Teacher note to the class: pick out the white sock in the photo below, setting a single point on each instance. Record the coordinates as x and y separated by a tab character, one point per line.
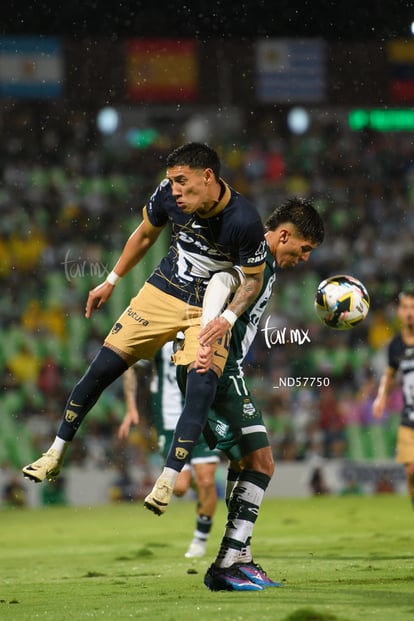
59	445
170	475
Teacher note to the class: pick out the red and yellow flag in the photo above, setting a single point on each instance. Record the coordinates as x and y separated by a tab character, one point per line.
162	70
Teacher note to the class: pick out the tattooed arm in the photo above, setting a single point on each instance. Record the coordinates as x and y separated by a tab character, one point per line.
243	297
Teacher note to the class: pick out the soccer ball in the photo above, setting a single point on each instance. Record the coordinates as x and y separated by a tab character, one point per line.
341	302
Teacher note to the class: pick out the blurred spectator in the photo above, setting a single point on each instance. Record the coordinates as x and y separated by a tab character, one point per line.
384	485
24	367
352	488
317	482
14	493
50	378
124	488
331	423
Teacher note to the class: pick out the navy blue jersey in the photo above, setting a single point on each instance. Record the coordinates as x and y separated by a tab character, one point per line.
231	234
401	359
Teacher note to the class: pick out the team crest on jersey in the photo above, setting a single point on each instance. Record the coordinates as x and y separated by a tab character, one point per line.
248	408
181	453
117	327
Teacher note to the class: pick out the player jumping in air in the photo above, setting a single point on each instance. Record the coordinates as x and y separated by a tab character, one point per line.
212	228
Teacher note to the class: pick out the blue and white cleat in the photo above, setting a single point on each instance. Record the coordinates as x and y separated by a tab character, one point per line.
229	579
255	573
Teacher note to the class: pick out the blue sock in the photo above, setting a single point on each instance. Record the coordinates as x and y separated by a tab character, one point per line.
105	368
199	395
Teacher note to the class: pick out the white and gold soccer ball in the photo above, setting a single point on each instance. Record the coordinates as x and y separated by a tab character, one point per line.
341	302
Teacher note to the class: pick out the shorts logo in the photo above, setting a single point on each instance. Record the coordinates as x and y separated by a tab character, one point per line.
221	428
117	327
131	313
70	416
181	453
217	355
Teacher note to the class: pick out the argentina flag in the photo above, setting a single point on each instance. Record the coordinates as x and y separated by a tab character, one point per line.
31	67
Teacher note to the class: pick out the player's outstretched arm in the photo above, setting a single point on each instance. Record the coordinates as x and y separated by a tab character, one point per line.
134	250
384	389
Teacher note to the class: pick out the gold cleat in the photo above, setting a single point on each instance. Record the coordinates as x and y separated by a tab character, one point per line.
46	467
158	499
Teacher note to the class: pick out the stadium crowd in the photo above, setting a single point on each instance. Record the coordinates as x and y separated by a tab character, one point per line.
70	196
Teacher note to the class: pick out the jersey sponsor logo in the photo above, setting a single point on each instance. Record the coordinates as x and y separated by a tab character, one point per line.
256	259
407	365
205	248
134	315
193	265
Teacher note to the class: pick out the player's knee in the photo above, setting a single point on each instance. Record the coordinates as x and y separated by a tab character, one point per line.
205	477
260	461
179	490
182	483
207	484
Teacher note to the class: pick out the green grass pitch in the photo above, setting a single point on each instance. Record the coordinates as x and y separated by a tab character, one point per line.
339	558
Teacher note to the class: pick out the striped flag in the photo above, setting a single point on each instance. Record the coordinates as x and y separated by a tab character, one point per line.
31	67
162	70
401	59
291	70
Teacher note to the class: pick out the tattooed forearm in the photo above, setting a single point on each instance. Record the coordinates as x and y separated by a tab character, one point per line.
246	293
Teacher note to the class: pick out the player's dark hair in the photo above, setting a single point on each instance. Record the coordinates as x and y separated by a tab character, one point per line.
408	291
302	214
195	155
